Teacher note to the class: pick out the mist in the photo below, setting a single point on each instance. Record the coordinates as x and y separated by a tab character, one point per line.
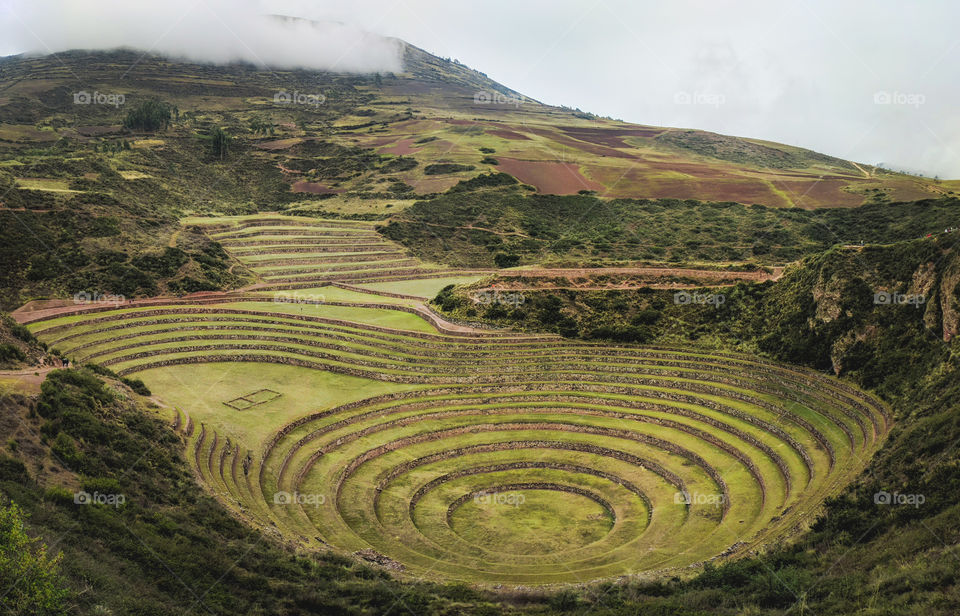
217	31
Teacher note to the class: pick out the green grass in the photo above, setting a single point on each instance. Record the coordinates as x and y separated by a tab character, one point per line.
427	288
605	436
47	184
202	389
531	521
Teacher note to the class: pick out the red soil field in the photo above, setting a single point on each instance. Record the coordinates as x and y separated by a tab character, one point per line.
556	178
641	183
376	142
593	148
814	193
504	133
404	146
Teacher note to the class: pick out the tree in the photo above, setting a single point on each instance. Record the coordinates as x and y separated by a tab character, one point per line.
151	115
219	142
32	577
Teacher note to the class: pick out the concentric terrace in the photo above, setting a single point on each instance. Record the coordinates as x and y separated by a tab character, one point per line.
368	425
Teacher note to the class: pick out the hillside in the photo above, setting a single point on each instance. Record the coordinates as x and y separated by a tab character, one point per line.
395	129
414	343
167	527
89	205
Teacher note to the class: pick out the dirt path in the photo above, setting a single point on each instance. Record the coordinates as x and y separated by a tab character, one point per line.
42	309
754	276
613	287
286	170
862	170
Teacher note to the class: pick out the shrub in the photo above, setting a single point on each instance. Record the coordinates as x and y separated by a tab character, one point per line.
10	353
12	469
137	386
486	180
30	575
445	168
504	260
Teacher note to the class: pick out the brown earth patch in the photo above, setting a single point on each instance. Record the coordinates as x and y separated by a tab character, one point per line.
641	182
504	133
611	137
820	193
583	146
552	177
404	146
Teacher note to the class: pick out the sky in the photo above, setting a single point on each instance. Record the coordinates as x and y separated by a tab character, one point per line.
874	82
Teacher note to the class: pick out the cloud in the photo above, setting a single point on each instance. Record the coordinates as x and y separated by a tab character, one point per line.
217	31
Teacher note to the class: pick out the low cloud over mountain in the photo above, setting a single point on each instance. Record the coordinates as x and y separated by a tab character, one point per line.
213	31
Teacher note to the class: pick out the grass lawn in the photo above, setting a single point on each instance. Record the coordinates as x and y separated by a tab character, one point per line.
427	288
202	389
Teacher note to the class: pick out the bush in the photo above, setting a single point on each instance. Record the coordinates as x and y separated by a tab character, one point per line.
10	353
12	469
504	260
137	386
31	577
445	168
20	332
486	180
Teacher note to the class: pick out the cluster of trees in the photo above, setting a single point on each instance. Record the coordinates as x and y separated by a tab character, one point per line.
150	116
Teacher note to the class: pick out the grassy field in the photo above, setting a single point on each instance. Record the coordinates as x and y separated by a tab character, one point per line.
483	456
203	390
426	288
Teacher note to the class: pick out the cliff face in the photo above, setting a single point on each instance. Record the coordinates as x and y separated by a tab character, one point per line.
861	310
